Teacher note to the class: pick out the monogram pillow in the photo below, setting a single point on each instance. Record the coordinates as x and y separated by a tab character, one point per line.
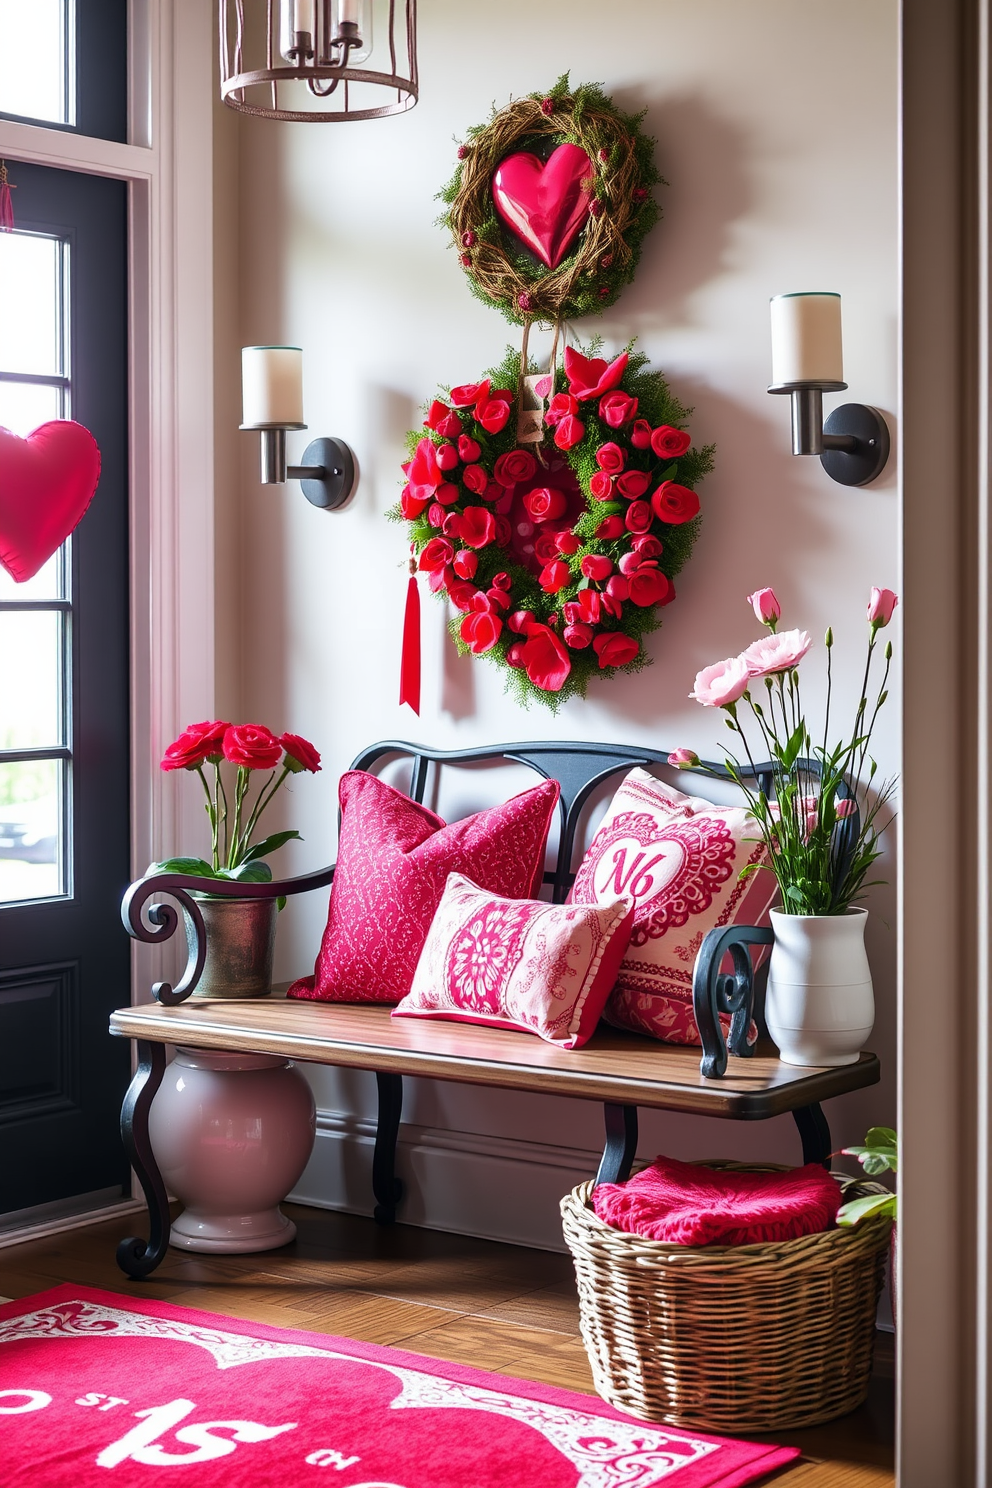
394	858
542	968
680	858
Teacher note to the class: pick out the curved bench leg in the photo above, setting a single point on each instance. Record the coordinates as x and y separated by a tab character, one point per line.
815	1134
621	1143
135	1257
386	1186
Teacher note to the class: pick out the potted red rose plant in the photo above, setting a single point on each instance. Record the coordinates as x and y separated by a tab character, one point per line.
248	764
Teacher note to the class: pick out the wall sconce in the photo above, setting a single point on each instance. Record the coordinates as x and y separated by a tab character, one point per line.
807	361
272	402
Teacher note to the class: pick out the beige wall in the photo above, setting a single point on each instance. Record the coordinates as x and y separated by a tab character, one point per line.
776	127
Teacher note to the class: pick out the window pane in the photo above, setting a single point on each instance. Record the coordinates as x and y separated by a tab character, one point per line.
30	850
30	327
30	679
48	582
33	73
25	405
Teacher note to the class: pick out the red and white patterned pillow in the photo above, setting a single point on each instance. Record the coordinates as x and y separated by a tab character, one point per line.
394	858
542	968
680	857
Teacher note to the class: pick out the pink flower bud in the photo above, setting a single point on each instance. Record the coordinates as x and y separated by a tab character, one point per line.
683	759
847	807
880	607
766	607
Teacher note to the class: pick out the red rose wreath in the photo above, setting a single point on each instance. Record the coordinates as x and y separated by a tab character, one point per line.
557	556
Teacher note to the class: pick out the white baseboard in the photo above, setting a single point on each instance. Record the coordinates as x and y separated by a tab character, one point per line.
497	1188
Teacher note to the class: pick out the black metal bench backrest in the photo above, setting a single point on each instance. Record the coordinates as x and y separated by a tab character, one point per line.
579	769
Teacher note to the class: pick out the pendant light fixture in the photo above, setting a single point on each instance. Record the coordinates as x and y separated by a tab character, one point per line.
280	59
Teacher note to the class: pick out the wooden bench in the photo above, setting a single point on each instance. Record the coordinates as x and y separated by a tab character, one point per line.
622	1070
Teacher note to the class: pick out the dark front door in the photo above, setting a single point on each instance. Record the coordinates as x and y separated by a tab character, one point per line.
64	839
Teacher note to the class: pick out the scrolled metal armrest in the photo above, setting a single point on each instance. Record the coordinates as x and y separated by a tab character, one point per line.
714	993
157	923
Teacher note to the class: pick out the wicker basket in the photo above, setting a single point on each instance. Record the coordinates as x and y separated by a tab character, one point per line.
734	1338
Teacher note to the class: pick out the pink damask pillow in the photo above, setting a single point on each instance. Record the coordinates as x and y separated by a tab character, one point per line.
543	968
394	858
680	858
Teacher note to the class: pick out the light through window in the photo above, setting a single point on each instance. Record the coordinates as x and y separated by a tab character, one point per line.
35	617
36	71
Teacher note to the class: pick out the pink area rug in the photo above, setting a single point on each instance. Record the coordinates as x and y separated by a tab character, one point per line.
99	1389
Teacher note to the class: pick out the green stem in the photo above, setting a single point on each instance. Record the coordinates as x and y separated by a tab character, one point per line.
261	803
240	791
211	816
219	786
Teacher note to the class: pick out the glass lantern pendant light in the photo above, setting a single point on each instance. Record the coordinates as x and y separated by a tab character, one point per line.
280	59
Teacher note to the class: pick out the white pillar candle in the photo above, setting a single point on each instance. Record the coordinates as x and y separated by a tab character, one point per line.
272	386
349	10
806	339
294	16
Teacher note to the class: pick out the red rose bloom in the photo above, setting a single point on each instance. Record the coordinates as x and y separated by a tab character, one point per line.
435	554
447	494
649	586
640	434
638	516
611	458
477	527
197	743
469	392
436	415
300	754
590	604
669	443
545	659
567	543
452	524
617	408
554	576
502	581
506	394
410	505
591	377
475	478
596	566
436	514
461	593
561	405
446	456
647	547
465	563
520	620
492	414
498	598
252	745
441	578
633	483
544	505
601	485
545	548
615	649
515	654
480	631
503	532
618	589
569	431
578	636
451	426
422	472
675	504
468	449
610	528
515	465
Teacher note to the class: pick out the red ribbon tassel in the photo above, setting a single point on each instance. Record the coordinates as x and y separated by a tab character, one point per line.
6	201
410	661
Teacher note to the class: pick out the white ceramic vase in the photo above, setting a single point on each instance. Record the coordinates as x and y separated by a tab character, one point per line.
231	1134
819	1005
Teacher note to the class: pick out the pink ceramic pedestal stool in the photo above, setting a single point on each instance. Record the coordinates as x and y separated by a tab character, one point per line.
231	1134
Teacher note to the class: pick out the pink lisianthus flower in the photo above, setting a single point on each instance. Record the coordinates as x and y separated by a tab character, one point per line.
776	653
847	807
721	684
880	607
764	603
683	759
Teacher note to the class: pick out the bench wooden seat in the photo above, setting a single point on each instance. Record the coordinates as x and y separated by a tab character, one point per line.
622	1070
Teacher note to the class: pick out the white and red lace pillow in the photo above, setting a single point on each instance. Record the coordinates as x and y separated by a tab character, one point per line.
394	858
680	857
542	968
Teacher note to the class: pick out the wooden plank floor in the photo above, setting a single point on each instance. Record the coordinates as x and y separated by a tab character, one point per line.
469	1301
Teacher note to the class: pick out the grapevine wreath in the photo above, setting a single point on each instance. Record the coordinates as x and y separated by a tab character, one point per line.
556	556
577	146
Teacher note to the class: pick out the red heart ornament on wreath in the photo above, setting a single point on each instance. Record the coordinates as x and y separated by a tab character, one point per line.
47	481
545	203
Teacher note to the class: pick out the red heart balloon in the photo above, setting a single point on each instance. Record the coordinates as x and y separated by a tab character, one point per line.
545	203
46	483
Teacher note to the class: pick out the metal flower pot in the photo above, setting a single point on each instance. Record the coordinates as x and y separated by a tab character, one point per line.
241	938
